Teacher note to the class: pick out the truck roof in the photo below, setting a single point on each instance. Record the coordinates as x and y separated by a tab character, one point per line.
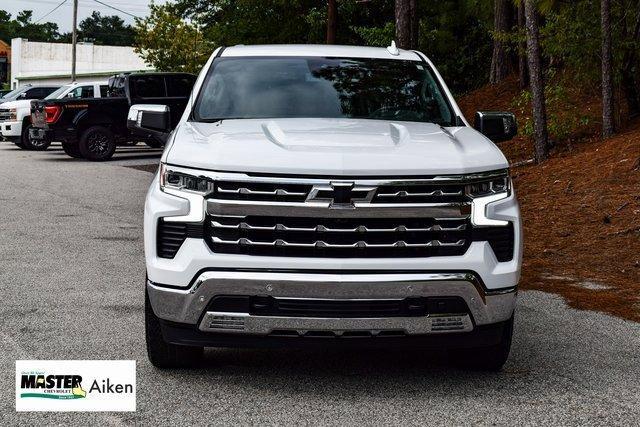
318	50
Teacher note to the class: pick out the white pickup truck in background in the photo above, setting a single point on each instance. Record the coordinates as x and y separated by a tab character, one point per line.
15	116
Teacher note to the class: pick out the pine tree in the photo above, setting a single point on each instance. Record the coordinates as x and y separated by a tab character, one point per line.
332	21
607	70
500	61
534	55
406	24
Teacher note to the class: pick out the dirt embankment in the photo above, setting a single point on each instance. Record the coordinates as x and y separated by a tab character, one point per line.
581	212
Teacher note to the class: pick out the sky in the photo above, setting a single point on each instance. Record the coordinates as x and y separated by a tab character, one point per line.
63	16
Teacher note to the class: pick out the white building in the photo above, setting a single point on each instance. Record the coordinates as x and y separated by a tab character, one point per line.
39	63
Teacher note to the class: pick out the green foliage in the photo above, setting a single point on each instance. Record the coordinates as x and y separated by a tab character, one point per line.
168	43
23	27
564	119
454	32
105	30
456	38
374	36
99	29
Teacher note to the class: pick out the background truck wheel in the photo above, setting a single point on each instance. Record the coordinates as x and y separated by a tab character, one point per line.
36	144
97	144
490	358
72	150
162	354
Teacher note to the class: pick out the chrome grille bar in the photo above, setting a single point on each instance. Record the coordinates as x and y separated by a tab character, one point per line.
453	210
248	191
321	244
322	228
404	193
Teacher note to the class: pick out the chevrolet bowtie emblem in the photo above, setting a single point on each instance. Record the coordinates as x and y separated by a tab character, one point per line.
341	195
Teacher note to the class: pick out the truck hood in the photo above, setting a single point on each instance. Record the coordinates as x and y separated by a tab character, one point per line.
334	147
23	103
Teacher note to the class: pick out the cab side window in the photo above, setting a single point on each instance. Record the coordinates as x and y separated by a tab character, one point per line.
180	86
33	93
81	92
104	91
147	87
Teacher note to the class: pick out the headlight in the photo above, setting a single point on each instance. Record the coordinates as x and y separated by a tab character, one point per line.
13	114
183	182
484	193
490	187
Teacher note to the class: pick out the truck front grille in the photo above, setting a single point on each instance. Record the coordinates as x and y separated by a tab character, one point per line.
340	218
5	114
338	237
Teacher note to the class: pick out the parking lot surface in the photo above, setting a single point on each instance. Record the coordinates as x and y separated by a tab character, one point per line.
71	287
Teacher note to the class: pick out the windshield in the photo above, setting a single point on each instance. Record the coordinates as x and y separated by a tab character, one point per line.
14	92
55	94
256	88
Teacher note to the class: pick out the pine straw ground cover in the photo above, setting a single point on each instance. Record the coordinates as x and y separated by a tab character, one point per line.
581	212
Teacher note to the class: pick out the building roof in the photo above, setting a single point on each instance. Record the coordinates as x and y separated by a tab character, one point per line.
318	50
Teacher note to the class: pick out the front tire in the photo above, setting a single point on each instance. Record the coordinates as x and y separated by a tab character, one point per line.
97	144
490	358
162	354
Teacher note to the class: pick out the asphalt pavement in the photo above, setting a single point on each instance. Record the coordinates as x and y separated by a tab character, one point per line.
71	287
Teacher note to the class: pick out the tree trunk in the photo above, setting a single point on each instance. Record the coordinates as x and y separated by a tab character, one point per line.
523	72
332	21
403	24
500	63
607	70
541	136
413	6
629	71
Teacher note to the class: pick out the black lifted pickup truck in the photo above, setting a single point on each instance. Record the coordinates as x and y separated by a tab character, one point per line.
93	127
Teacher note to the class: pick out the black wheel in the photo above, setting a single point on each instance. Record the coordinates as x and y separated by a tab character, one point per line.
72	150
33	144
162	354
153	144
97	144
490	358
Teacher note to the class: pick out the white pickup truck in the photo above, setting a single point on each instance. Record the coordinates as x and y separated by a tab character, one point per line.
329	195
15	116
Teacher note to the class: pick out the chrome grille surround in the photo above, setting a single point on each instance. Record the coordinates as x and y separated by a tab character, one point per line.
5	114
338	217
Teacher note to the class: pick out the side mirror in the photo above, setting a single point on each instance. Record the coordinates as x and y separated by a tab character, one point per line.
150	121
496	125
23	95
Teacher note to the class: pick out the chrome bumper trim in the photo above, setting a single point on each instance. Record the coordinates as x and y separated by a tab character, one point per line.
188	305
244	323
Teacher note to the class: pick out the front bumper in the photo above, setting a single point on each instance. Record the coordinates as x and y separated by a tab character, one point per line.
11	130
189	306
